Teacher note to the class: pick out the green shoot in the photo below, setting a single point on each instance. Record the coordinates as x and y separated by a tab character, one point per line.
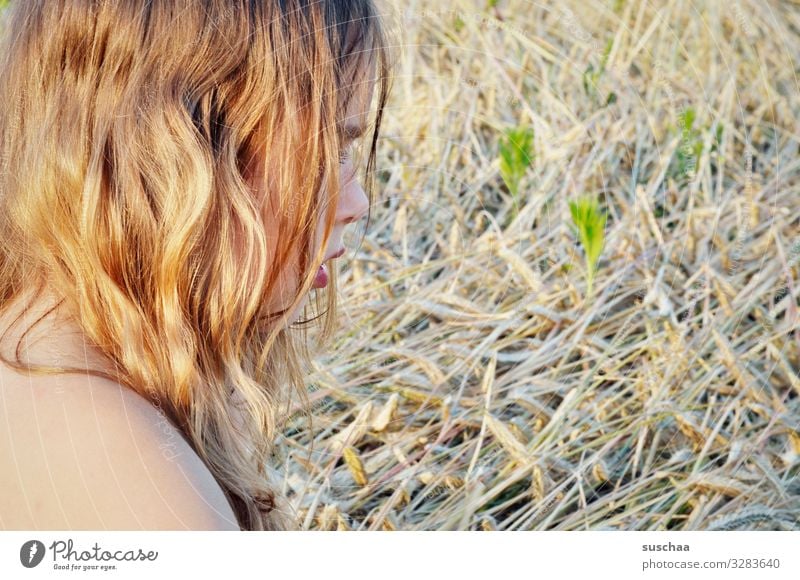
589	226
690	147
516	155
458	24
591	77
606	54
716	145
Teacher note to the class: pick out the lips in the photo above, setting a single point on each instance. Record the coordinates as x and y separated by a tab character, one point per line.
321	279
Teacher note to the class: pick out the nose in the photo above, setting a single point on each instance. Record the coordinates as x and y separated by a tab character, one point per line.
354	203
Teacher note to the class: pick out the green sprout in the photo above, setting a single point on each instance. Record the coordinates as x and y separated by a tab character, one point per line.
591	77
516	155
690	147
589	227
716	145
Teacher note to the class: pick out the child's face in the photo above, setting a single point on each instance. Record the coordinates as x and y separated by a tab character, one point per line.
352	205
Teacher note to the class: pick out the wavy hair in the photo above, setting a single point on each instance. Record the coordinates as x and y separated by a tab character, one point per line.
125	132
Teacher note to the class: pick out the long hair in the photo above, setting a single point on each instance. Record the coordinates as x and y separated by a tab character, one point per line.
125	130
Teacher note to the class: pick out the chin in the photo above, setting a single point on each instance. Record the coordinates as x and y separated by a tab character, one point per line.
298	311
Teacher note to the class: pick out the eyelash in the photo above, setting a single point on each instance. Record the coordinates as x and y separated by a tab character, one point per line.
343	156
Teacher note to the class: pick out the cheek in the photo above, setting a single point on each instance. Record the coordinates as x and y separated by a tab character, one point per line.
328	213
319	241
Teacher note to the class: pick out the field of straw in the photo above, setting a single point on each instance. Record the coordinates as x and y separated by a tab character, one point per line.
477	381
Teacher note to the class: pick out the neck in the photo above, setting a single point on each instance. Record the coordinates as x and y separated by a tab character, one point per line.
35	330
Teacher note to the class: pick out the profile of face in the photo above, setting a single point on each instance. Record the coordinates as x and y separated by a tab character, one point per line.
352	205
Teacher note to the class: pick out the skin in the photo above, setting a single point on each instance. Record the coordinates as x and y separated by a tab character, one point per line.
58	340
353	201
80	452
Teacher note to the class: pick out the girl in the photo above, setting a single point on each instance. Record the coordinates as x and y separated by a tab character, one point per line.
175	179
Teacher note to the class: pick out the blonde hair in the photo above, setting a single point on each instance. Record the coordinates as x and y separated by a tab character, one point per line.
124	130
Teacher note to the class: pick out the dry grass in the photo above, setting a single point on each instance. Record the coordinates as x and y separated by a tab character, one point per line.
474	384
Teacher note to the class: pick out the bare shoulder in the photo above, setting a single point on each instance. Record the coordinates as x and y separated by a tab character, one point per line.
84	453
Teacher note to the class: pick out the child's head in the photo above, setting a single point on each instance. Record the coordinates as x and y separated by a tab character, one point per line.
171	169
